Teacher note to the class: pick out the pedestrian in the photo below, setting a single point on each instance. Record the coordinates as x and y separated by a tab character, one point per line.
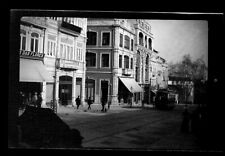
185	121
34	99
39	101
89	103
78	102
103	105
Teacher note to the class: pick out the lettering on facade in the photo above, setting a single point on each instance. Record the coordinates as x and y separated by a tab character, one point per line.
144	26
68	64
31	54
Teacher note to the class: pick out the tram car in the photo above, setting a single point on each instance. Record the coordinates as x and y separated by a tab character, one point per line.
165	99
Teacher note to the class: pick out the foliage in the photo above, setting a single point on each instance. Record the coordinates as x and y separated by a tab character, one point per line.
196	70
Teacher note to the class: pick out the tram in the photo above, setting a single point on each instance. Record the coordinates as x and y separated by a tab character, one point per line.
165	99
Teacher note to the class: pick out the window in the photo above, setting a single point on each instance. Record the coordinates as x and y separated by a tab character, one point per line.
92	38
121	40
127	42
141	39
150	43
34	42
131	63
105	38
66	52
120	61
61	50
132	45
126	61
51	48
145	41
91	59
105	60
22	40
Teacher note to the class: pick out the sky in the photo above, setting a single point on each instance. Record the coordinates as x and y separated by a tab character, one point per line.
175	38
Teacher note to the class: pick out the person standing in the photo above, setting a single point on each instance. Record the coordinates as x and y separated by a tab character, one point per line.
78	102
89	103
34	99
103	105
39	101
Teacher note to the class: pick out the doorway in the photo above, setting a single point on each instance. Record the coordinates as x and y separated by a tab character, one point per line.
65	90
104	89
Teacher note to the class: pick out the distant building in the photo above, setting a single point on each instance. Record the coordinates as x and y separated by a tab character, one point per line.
184	87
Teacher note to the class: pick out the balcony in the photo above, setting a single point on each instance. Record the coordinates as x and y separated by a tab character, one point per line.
68	65
126	72
70	28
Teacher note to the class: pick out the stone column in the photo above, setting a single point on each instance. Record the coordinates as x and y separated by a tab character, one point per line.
41	50
57	89
115	66
43	94
74	88
115	89
83	89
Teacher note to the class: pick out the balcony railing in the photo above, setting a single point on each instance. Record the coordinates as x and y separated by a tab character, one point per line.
69	64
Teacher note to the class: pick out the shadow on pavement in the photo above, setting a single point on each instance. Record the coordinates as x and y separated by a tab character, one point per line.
42	128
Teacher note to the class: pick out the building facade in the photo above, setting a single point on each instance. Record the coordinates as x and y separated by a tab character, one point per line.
120	51
62	44
110	60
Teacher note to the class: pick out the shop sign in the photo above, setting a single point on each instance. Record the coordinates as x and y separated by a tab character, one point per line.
31	54
68	64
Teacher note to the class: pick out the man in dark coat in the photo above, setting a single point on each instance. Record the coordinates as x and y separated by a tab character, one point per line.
78	102
89	103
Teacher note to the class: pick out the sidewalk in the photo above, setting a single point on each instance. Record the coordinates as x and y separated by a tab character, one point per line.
96	109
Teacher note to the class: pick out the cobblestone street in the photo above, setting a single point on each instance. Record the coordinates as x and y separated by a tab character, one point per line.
135	128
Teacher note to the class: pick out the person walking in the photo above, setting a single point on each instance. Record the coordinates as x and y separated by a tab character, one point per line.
89	103
78	102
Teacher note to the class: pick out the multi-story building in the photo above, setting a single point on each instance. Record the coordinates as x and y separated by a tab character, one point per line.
144	53
60	43
110	60
120	53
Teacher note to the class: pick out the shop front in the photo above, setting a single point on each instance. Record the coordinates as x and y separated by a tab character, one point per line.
128	87
32	81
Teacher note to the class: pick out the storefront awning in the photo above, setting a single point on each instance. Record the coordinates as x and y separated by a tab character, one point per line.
33	71
131	85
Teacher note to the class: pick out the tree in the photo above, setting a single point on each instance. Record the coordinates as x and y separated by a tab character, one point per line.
193	70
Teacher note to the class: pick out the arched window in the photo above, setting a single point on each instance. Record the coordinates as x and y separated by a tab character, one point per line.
34	42
22	39
127	42
126	61
147	68
145	41
150	43
141	38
